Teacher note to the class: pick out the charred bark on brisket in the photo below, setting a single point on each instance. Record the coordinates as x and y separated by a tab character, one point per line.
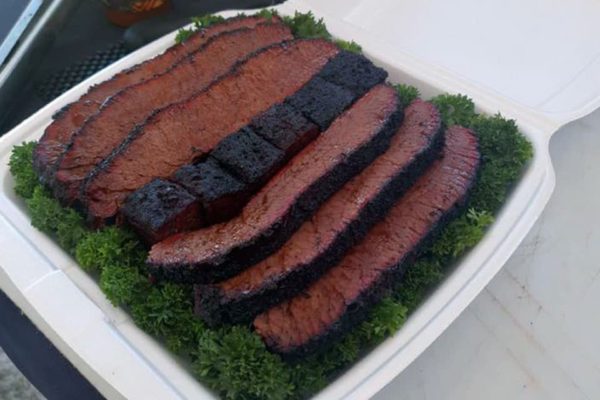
338	224
161	209
354	72
249	156
220	194
180	133
285	128
321	101
340	299
271	217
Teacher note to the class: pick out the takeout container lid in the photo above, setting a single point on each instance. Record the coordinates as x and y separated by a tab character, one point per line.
538	66
541	55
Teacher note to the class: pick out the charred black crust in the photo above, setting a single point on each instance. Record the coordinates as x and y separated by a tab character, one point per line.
154	211
354	72
358	311
139	129
321	101
284	127
216	307
251	157
255	251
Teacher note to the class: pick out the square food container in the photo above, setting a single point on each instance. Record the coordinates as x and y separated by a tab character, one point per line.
536	63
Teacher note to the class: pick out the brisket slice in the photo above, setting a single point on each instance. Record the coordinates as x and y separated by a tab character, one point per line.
338	224
58	134
218	194
285	128
252	156
340	298
183	132
354	72
217	190
236	168
218	252
208	194
256	152
106	129
244	156
249	156
321	101
161	209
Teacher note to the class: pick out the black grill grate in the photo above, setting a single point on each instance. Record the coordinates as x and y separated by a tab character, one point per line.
60	82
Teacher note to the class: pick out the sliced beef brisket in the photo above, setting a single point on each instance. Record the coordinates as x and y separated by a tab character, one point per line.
341	297
285	128
161	209
338	224
249	156
58	134
218	191
106	129
354	139
354	72
321	101
183	132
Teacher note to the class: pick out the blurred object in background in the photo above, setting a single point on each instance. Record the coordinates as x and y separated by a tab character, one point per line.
127	12
15	15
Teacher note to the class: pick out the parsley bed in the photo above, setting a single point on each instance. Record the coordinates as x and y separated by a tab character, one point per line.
233	360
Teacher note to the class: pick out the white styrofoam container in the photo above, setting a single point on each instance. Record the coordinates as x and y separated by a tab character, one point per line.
503	72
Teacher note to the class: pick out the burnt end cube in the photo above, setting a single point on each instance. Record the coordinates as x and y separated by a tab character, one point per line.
249	156
285	128
161	209
321	101
354	72
220	193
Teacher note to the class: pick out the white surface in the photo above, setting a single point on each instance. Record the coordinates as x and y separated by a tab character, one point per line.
532	334
542	54
124	363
